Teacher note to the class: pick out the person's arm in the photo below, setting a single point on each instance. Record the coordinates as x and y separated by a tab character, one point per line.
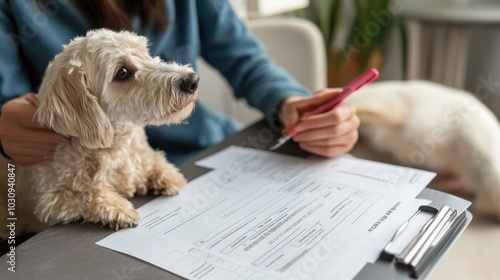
21	137
228	45
14	78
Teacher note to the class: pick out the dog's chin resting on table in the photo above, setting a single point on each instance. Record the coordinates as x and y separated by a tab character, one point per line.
433	127
100	92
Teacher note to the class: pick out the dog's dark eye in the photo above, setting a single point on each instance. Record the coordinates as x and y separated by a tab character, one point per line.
123	74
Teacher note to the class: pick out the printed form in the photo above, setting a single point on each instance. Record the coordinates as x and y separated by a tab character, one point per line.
261	215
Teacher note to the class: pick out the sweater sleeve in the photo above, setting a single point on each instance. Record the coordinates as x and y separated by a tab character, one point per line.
14	78
230	47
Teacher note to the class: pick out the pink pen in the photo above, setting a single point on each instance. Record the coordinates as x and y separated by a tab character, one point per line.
365	78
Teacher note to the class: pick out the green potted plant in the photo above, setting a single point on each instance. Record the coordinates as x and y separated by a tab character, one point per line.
355	34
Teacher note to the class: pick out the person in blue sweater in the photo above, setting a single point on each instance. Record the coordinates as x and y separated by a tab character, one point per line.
33	32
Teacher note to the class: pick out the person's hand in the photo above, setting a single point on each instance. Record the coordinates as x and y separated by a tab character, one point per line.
329	134
23	139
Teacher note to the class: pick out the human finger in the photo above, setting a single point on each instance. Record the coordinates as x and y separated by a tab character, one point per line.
336	116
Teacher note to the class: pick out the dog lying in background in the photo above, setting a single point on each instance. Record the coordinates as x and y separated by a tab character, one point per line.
100	92
433	127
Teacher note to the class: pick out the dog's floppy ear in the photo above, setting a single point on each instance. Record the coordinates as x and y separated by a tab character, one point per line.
68	107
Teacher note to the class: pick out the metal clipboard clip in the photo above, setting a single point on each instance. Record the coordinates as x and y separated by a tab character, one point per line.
418	252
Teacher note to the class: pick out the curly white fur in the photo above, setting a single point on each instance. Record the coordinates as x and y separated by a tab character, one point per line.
106	158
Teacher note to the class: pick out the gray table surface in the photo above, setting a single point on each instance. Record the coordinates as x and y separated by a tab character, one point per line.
69	251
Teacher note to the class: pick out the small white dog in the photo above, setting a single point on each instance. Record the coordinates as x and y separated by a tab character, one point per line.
430	126
100	92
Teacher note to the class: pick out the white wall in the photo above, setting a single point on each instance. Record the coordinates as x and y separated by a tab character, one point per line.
483	73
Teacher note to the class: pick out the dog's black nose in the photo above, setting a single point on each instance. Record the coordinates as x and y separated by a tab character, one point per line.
189	83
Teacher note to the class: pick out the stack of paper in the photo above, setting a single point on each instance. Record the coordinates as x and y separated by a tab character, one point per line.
260	215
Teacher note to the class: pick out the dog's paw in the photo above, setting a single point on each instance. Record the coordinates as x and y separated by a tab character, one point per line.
141	189
130	218
167	183
117	213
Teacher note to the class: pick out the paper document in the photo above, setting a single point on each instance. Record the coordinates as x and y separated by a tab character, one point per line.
261	215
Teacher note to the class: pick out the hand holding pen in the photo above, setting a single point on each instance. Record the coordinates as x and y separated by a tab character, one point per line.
319	124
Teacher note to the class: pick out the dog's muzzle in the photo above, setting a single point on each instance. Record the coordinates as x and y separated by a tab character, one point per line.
189	83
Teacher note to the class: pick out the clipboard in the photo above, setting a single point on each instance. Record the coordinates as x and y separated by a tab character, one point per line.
391	270
381	269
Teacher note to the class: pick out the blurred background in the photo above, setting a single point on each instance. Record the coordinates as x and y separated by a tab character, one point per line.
329	42
452	42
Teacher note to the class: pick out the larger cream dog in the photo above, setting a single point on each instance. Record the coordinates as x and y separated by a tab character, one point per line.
434	127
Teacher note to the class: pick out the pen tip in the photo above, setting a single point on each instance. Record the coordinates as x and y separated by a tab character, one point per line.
277	145
282	140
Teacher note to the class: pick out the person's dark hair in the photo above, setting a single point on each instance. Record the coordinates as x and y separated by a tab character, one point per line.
116	14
